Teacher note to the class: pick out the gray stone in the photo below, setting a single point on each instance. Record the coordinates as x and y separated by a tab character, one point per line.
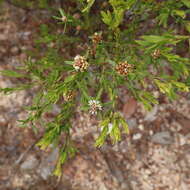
30	163
47	165
162	138
151	116
132	123
46	172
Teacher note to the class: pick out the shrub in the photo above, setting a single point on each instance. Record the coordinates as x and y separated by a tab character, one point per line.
126	44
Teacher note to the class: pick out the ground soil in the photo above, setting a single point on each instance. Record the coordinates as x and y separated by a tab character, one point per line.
155	156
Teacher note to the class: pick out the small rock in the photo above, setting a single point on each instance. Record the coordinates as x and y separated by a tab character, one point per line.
162	138
151	132
45	172
141	127
14	50
30	163
48	165
132	123
123	146
24	35
182	140
137	136
53	156
151	116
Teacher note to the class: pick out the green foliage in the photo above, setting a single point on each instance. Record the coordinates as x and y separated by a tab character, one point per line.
110	126
113	19
128	44
89	5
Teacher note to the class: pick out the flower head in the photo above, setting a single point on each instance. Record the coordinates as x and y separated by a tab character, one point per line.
64	18
156	53
94	106
124	68
97	37
69	96
80	63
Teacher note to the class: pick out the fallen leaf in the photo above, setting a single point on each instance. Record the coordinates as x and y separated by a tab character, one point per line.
129	107
185	124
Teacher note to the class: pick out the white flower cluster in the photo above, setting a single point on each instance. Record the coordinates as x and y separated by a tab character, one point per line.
94	106
80	63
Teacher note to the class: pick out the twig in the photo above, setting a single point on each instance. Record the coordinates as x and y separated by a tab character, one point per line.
21	157
17	6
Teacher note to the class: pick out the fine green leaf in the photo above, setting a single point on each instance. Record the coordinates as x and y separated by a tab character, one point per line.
90	3
186	3
11	73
